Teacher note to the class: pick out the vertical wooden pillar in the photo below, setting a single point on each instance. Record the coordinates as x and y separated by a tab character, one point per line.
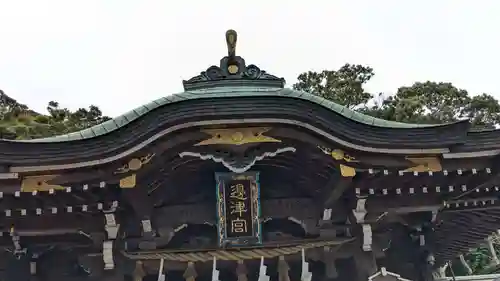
241	271
18	268
143	208
283	269
366	264
190	274
329	256
112	275
140	202
139	272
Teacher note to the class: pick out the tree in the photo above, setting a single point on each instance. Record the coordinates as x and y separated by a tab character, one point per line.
435	103
483	110
343	86
19	122
428	102
65	121
423	102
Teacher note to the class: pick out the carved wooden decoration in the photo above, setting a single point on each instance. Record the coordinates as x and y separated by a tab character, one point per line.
236	165
232	68
39	183
424	164
338	154
135	164
347	171
237	136
128	182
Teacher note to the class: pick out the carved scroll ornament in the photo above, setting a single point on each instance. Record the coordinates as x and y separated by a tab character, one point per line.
340	155
237	165
133	165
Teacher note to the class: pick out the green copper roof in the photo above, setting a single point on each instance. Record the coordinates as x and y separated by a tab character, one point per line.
222	92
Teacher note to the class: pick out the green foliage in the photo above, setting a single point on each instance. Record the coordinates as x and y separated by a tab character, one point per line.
478	259
19	122
428	102
423	102
343	86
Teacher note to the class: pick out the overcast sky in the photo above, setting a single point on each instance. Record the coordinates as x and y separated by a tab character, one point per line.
118	54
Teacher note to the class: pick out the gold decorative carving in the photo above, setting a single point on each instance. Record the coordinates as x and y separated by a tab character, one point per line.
39	183
232	69
340	155
347	171
337	154
424	164
135	164
128	182
237	136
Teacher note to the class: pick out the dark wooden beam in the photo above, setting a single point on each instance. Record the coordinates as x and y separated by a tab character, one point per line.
337	185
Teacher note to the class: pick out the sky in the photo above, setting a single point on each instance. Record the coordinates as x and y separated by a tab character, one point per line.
119	54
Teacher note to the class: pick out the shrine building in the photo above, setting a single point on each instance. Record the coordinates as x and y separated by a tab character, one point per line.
240	178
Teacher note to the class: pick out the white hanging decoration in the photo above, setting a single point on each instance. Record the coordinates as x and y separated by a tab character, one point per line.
215	272
263	271
161	275
306	274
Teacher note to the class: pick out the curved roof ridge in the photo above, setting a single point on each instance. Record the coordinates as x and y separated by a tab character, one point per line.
223	92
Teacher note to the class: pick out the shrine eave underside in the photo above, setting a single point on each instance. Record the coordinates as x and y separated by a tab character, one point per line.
241	106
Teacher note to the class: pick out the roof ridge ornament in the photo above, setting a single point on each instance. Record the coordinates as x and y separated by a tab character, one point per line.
231	40
233	72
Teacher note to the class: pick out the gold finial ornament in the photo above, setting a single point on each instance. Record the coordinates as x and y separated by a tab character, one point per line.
231	38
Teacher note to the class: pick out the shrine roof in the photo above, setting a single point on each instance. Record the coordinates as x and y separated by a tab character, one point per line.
236	93
225	92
